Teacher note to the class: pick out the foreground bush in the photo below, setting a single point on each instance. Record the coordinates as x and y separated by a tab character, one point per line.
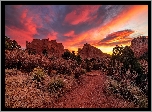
56	87
38	74
78	72
20	59
127	91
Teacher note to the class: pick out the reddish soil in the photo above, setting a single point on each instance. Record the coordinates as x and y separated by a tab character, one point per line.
89	94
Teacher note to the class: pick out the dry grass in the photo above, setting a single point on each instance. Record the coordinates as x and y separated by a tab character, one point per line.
23	92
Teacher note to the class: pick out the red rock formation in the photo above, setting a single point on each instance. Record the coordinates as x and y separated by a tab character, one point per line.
139	45
89	52
52	47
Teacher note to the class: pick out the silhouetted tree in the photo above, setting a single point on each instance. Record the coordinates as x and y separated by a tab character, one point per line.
66	55
11	44
126	56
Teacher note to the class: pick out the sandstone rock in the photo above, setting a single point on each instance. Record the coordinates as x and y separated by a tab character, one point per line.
52	47
139	45
89	52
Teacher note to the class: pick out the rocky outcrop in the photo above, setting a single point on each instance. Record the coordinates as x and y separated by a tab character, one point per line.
51	47
139	45
89	52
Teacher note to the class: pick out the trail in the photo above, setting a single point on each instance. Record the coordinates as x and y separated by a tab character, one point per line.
90	94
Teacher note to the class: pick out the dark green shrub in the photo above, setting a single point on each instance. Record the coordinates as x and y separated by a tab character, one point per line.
66	55
88	65
78	59
126	56
56	85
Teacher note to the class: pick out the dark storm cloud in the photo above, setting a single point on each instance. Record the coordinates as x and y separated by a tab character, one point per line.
12	15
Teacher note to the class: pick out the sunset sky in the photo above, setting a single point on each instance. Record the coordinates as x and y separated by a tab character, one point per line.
103	26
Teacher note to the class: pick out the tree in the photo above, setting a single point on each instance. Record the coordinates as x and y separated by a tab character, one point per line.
126	56
144	56
11	44
66	55
73	56
116	55
78	59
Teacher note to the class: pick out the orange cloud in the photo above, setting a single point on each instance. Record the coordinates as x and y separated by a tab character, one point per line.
96	34
125	16
117	36
70	33
81	14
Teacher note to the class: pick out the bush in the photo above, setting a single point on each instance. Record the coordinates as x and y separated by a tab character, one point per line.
129	92
78	72
56	87
68	55
126	56
38	74
22	60
52	72
144	56
11	44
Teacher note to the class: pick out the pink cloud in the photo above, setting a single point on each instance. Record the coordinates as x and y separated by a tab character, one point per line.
19	35
81	14
29	24
28	30
70	33
24	14
52	35
95	35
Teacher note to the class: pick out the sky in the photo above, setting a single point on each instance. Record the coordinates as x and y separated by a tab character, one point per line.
102	26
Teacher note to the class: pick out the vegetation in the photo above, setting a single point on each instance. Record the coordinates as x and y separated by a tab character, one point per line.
78	72
126	56
11	44
129	92
123	60
68	55
144	56
38	74
127	79
56	87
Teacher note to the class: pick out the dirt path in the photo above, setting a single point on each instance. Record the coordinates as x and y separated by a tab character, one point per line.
89	94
